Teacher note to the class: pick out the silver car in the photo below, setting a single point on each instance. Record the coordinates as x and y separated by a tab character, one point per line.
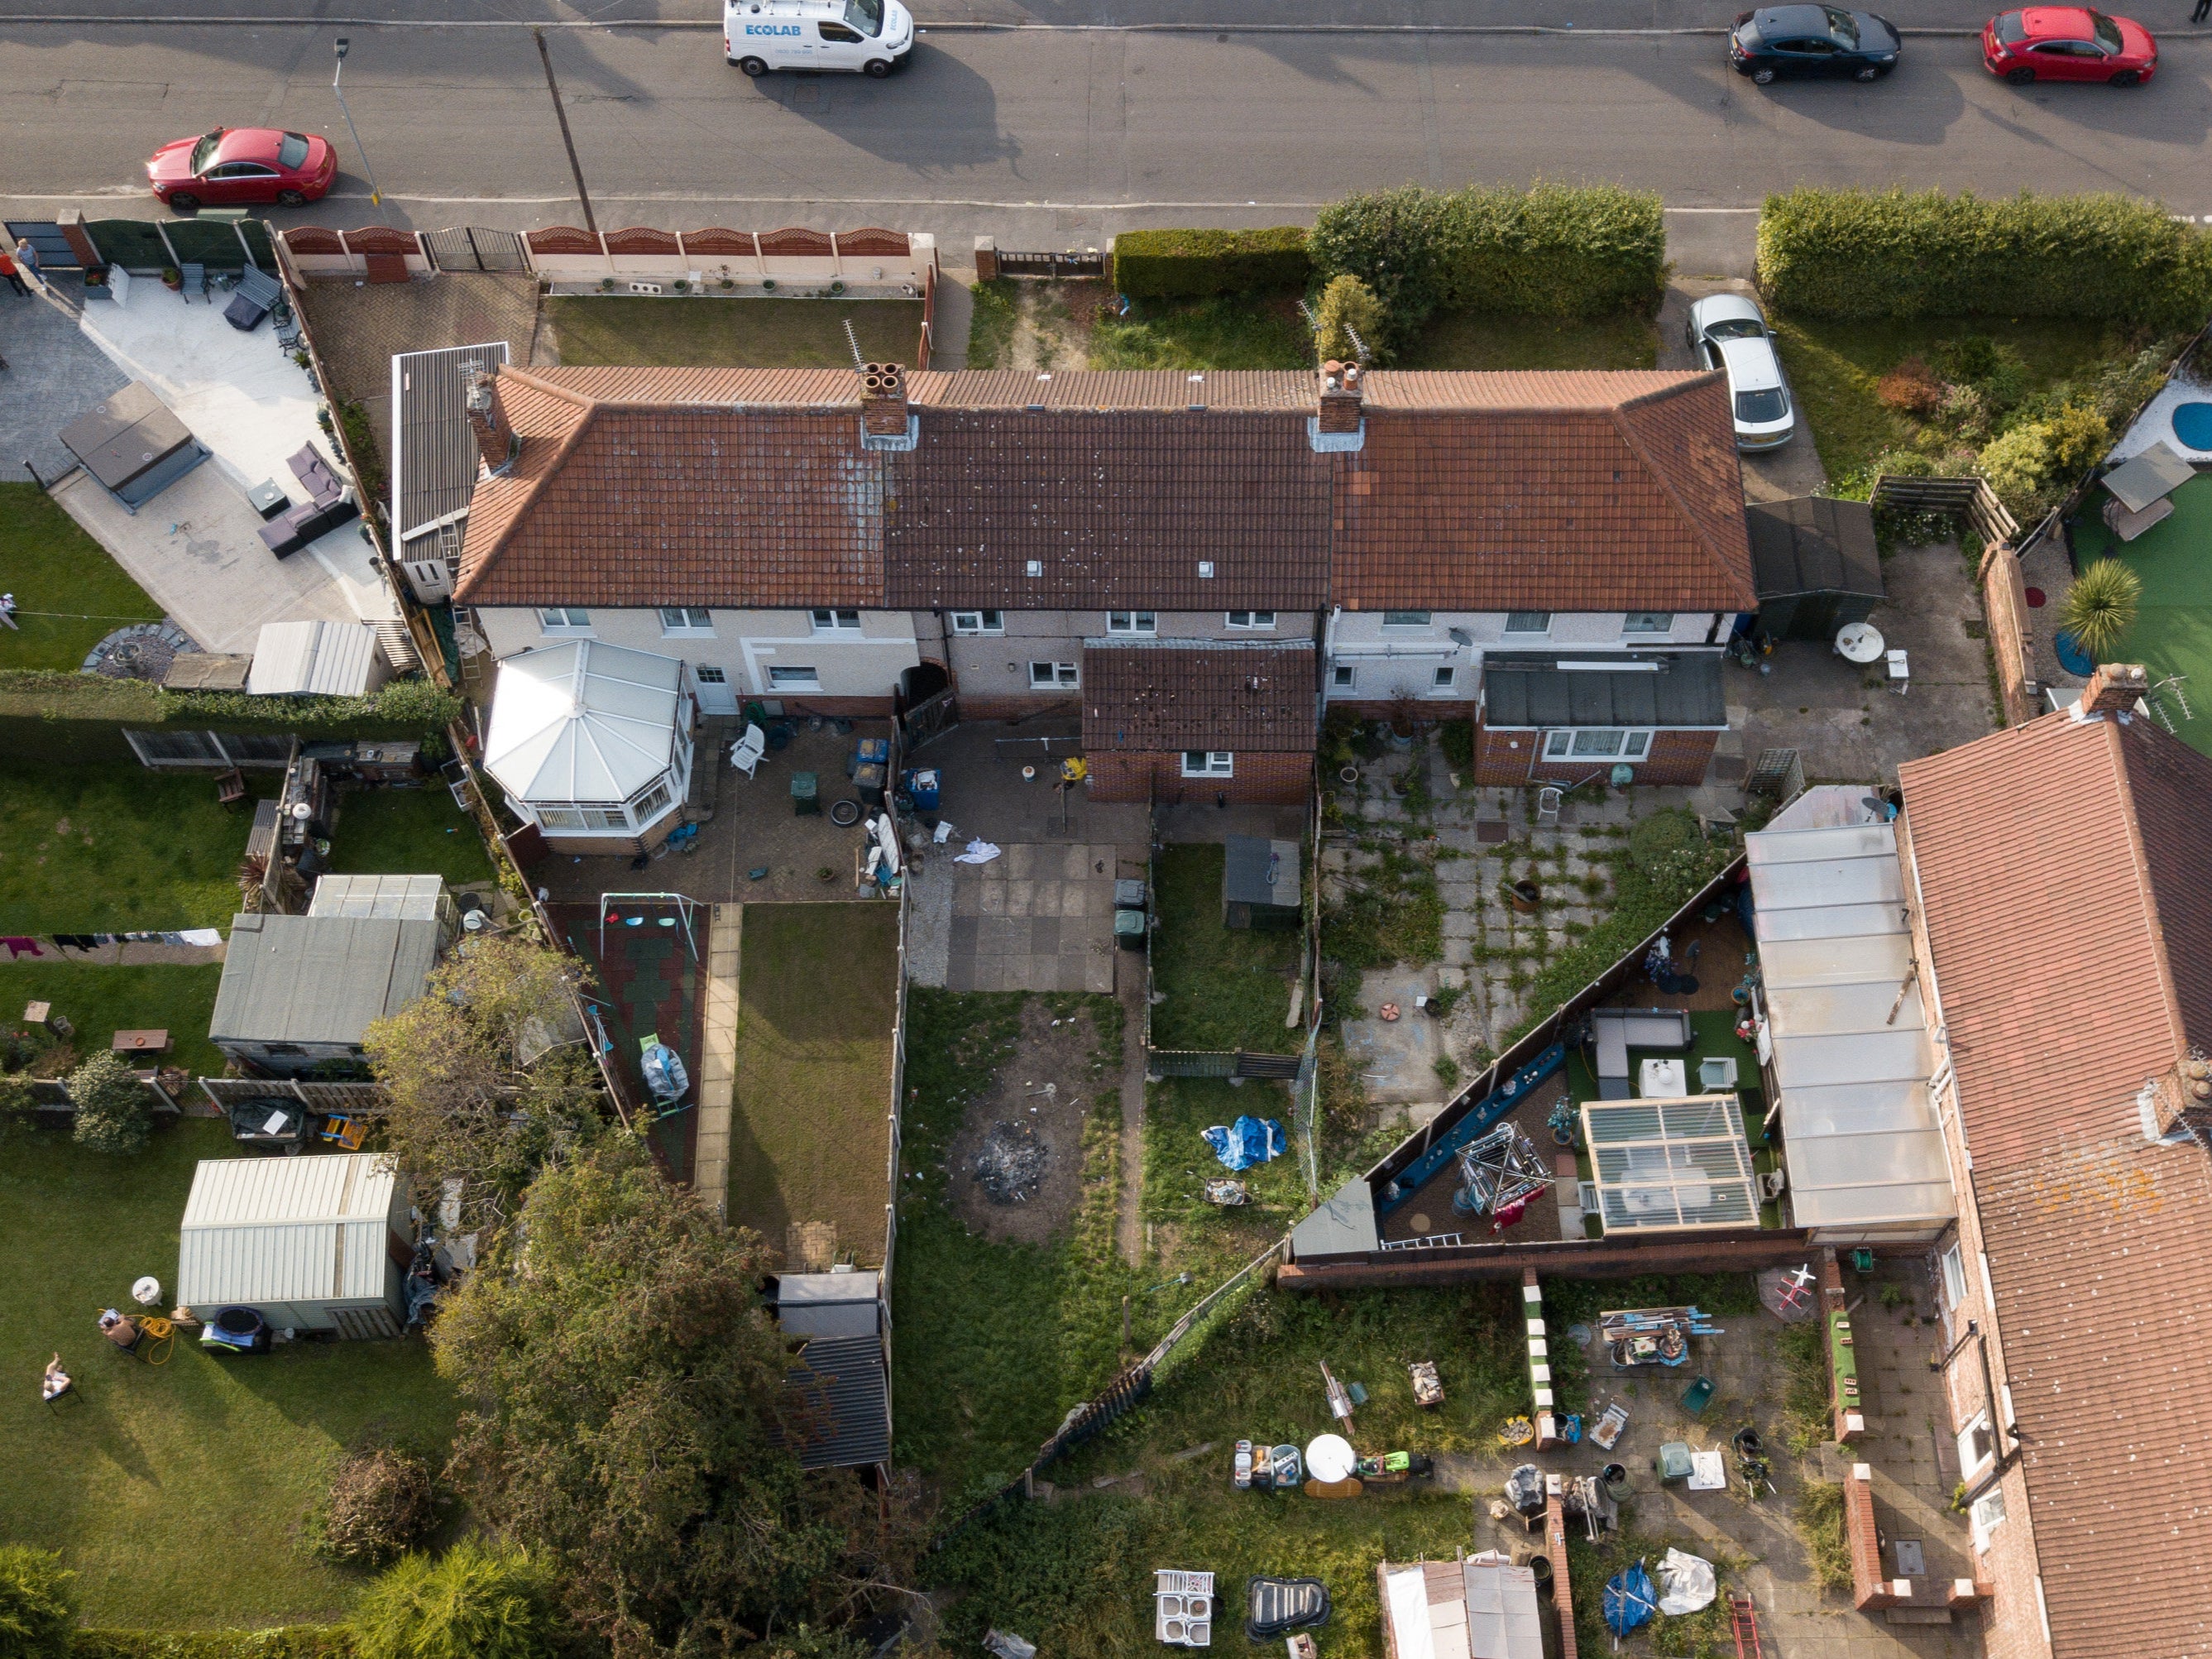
1728	332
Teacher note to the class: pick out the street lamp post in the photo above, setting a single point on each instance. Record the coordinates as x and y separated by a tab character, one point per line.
338	50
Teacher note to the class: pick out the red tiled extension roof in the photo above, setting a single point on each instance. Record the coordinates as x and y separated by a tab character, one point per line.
2065	874
1171	695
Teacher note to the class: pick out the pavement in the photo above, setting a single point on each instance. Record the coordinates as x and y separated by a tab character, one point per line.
55	372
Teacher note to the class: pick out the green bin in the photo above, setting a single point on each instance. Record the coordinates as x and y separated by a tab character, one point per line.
1129	929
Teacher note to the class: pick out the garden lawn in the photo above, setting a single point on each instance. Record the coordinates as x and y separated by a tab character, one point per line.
99	1000
407	832
69	594
2172	630
810	1132
111	848
749	333
1232	331
990	325
1464	340
176	1492
1225	988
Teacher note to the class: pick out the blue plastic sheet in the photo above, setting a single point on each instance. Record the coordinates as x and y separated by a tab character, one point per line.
1250	1140
1629	1600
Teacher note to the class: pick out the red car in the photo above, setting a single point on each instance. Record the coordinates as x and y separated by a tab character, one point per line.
243	164
2067	43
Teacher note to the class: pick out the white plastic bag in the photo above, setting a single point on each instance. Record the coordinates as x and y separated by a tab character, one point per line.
1685	1583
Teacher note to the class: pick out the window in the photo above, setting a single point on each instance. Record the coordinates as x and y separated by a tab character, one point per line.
559	817
837	622
979	621
1343	677
1132	621
1596	742
866	15
1954	1277
1527	622
1405	619
1757	408
554	618
839	35
1989	1514
686	619
1978	1443
1208	763
282	1048
708	676
292	151
1251	619
1051	675
606	818
1443	679
793	679
652	801
1647	622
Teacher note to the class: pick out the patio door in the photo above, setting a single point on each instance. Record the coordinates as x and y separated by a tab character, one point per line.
716	695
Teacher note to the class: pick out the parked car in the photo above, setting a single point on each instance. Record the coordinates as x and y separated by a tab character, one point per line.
235	164
1777	40
1728	332
871	36
2067	43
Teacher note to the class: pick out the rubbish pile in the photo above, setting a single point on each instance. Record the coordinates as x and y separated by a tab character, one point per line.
1653	1336
1250	1140
1010	1164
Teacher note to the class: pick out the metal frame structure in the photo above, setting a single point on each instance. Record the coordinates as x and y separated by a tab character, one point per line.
685	907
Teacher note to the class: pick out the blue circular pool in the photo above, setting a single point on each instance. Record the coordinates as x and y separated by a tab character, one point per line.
2072	658
2192	424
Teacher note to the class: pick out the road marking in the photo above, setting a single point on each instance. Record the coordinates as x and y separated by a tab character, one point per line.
960	26
107	193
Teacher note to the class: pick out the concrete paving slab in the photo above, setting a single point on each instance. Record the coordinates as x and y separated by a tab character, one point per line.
55	373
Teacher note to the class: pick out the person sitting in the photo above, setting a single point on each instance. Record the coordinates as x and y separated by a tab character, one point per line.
123	1332
57	1383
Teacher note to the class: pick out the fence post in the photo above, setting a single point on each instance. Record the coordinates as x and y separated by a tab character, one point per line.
987	259
168	247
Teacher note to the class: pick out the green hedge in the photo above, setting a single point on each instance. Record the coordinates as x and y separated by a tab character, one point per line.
290	1642
1854	254
1178	264
52	716
1554	250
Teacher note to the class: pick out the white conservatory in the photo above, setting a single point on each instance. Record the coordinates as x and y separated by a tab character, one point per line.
592	744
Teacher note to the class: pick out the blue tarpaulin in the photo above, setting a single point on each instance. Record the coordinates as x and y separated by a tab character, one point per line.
1629	1600
664	1072
1251	1141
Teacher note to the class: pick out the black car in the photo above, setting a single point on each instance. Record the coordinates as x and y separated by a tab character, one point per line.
1813	40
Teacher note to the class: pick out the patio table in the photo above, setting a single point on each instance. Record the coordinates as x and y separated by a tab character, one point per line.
141	1042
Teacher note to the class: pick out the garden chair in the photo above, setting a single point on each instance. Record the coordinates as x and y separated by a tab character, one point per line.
230	788
195	282
345	1131
1548	801
745	753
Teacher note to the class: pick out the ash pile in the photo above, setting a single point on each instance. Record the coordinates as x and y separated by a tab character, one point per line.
1010	1163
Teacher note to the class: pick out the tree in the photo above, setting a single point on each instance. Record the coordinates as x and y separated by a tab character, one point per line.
38	1603
2101	607
473	1092
627	1416
1350	326
473	1603
112	1112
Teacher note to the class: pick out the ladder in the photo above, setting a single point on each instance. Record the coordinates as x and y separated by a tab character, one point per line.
1743	1625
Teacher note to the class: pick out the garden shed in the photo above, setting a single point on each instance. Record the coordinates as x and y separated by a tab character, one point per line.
309	1243
299	991
319	658
1814	565
1259	883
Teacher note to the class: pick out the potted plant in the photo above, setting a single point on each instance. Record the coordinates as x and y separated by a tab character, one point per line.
172	277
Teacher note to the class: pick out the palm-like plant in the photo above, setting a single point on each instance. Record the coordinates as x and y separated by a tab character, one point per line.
2101	607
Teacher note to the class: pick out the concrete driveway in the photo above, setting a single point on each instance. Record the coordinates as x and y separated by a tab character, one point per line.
1779	475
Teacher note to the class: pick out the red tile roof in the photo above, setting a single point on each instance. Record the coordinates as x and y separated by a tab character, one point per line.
2063	872
1172	695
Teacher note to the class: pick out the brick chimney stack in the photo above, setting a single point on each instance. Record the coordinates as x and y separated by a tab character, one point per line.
1340	396
2115	688
496	441
882	400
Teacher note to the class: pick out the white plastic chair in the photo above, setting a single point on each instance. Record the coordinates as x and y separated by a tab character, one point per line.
745	753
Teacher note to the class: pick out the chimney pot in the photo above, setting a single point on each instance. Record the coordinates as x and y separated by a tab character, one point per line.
882	400
1340	396
497	440
2115	688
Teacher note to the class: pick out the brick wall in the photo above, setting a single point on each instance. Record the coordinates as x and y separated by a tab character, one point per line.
1502	760
1261	779
852	707
1017	707
1563	1596
2012	647
1595	1258
1869	1589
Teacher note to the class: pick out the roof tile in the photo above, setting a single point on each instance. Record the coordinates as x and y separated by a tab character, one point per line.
1172	694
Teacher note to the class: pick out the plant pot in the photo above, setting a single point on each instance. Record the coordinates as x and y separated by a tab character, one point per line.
1523	895
1348	774
767	284
173	279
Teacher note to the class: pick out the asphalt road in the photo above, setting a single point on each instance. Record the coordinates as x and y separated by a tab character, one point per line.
1059	137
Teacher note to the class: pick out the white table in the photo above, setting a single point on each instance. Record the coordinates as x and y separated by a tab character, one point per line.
1859	643
1663	1079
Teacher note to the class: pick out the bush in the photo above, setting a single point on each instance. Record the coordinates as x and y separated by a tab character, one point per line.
2033	465
112	1112
1181	264
287	1642
1554	250
382	1503
472	1602
1350	317
1855	253
38	1603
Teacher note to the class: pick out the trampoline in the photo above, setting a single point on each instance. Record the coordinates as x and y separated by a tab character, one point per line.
2192	425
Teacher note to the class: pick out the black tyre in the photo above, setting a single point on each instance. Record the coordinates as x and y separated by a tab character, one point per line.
183	201
755	67
2127	78
877	67
1763	77
1869	73
844	814
2021	78
290	198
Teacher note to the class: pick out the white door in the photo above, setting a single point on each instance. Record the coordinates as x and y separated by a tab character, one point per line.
716	695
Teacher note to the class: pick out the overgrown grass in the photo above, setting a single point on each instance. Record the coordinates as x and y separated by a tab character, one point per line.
407	832
990	325
176	1492
1820	1524
1225	988
111	847
99	1000
1465	340
69	594
1394	913
1178	1163
719	332
1802	1349
1234	330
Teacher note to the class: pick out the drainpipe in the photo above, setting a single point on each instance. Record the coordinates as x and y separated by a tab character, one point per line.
1328	658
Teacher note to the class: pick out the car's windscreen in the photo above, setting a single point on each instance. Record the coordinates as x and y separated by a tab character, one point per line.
1735	328
2108	32
866	15
204	152
2012	28
1755	408
1843	29
292	150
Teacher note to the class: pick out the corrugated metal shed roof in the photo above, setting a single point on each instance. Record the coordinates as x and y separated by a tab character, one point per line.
1343	1225
1859	1130
1814	545
1673	688
318	979
841	1380
287	1229
394	898
326	658
435	457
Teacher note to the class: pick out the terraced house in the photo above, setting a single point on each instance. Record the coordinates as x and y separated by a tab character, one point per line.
1199	564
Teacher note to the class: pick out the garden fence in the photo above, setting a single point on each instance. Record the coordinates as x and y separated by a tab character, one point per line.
323	1098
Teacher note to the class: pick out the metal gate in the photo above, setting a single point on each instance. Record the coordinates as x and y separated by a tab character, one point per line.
930	718
45	238
473	248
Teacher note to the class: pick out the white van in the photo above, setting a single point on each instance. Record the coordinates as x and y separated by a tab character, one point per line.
871	36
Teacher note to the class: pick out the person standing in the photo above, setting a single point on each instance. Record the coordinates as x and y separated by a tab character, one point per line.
2203	11
14	276
26	256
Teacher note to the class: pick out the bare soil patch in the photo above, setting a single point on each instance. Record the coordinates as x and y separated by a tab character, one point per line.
1043	1094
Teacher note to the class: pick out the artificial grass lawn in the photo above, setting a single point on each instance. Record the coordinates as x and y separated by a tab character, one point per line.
1463	340
1835	368
1225	988
2172	630
176	1492
810	1132
111	848
69	594
407	832
1232	331
101	1000
734	333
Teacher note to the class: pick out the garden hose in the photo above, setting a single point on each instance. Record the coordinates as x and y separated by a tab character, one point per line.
161	1339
